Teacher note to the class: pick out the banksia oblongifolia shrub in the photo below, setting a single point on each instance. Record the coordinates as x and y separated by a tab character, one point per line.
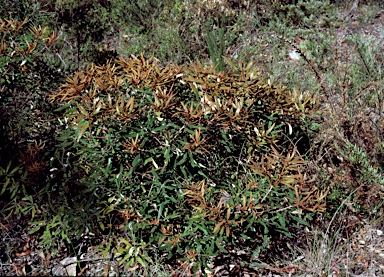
190	160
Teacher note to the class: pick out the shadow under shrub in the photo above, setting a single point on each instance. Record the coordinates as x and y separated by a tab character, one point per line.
189	160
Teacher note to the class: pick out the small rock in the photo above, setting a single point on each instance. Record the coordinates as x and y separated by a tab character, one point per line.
293	55
66	267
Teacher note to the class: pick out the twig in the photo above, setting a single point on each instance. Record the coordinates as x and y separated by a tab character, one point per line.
57	54
352	11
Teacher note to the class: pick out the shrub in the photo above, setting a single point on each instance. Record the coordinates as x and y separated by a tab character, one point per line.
26	115
24	106
188	160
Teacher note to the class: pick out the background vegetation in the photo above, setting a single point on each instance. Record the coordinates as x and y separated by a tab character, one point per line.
205	136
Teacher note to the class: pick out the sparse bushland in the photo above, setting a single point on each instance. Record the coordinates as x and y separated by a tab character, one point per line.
201	167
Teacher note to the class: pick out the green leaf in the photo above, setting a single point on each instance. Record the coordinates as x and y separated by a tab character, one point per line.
128	245
193	163
170	255
140	260
173	125
183	159
172	216
63	107
166	155
197	127
160	128
222	249
150	159
173	199
8	167
202	174
202	228
13	170
5	185
154	173
65	144
299	220
126	257
101	224
160	210
288	234
82	127
190	131
185	175
137	160
34	230
282	221
257	265
71	111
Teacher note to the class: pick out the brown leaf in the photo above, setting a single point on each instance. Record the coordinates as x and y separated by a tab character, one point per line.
218	225
106	269
22	254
